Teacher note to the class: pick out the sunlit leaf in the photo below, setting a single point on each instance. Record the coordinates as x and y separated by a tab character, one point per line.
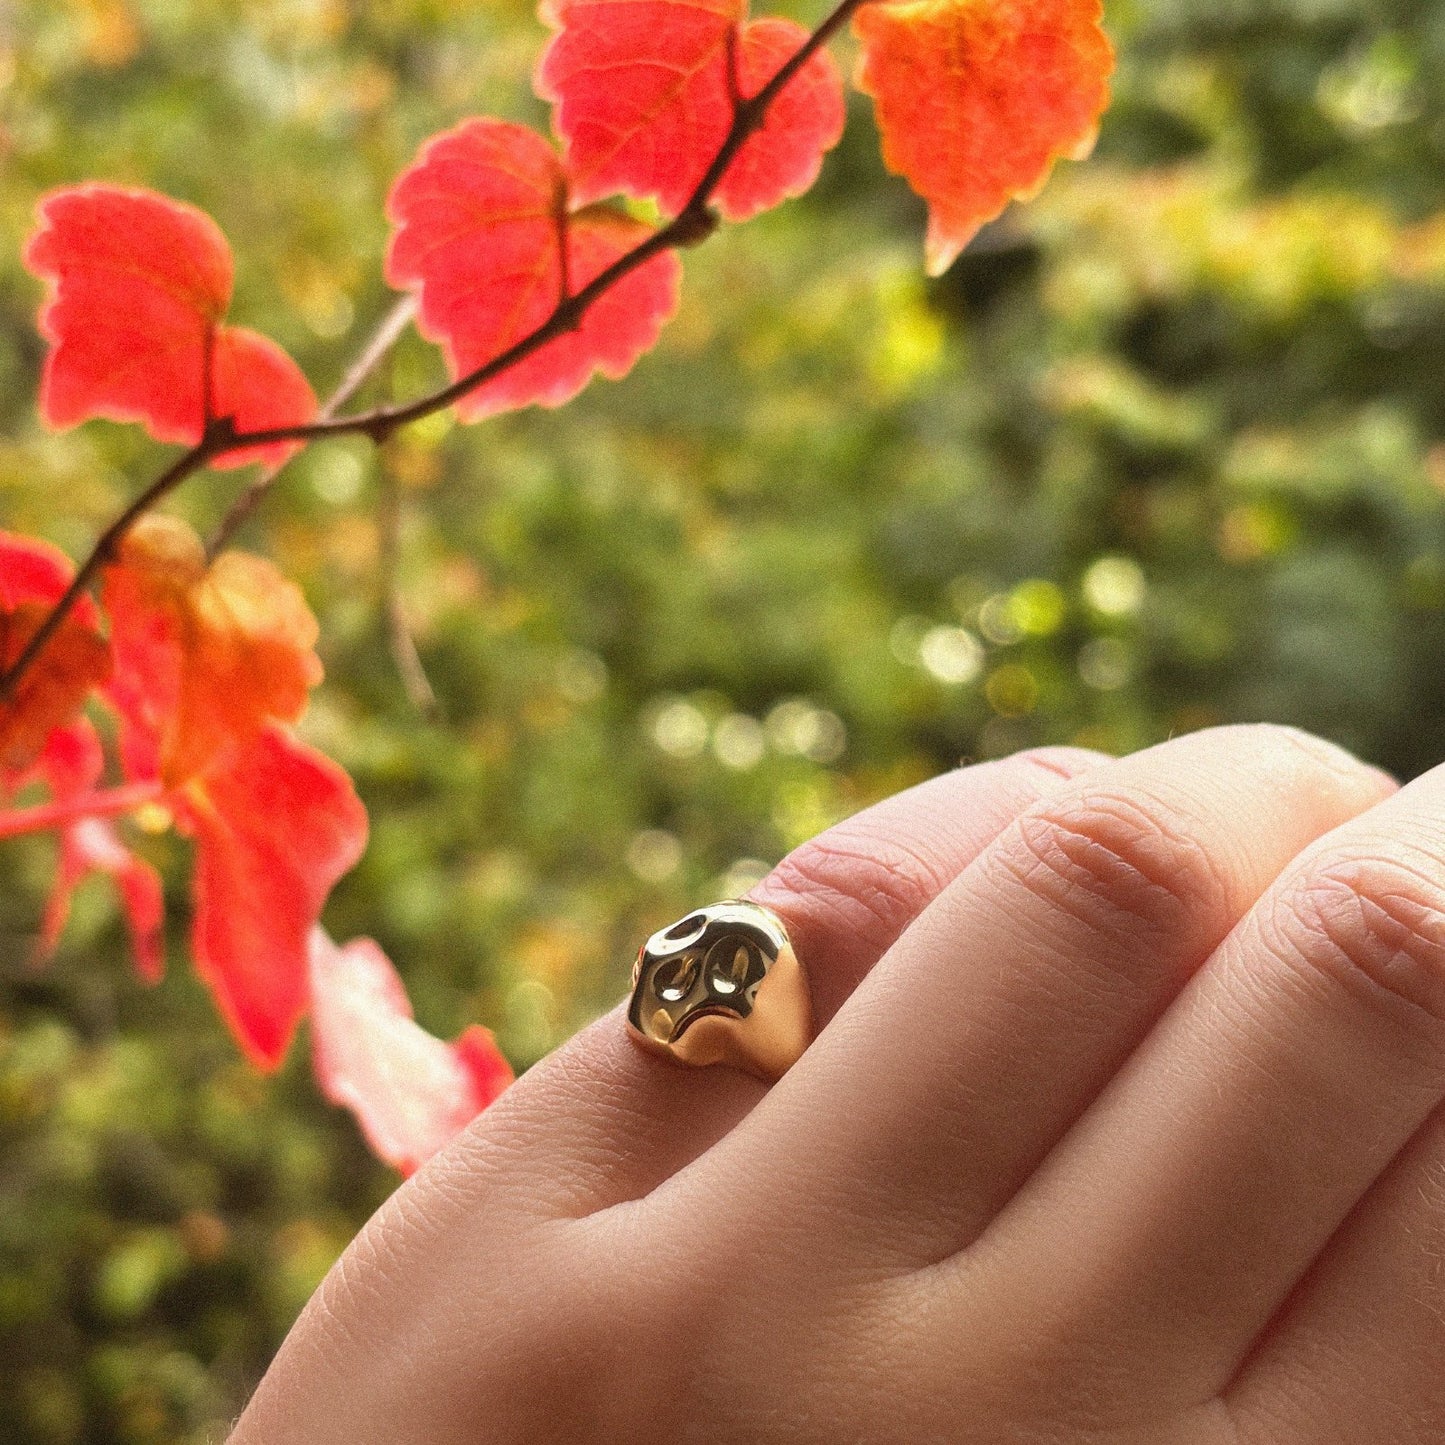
645	89
411	1093
976	99
206	654
480	219
140	286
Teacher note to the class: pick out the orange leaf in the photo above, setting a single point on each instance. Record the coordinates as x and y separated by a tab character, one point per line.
976	99
140	286
205	655
33	577
410	1092
275	824
479	223
644	100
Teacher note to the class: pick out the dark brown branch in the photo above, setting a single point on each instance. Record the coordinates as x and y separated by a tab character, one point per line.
694	223
734	71
563	217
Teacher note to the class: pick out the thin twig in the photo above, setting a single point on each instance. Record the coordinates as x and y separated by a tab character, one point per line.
208	376
734	71
693	224
382	340
563	217
386	335
404	654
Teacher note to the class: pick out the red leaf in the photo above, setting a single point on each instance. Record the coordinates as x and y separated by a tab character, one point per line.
140	286
259	387
33	577
410	1092
976	99
35	571
206	655
644	101
89	846
139	281
478	219
275	824
641	89
803	123
72	761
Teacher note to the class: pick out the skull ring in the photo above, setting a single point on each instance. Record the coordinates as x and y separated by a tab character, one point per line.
722	986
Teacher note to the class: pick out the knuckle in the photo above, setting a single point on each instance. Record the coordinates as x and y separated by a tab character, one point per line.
1375	924
1116	863
872	885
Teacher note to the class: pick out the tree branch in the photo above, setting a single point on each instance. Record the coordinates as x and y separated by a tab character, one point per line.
218	438
693	224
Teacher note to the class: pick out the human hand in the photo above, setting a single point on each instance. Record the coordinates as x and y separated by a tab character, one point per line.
1133	1134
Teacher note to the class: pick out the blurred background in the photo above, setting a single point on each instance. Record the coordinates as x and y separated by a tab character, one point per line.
1165	448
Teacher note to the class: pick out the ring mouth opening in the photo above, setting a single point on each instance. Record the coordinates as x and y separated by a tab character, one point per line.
710	1012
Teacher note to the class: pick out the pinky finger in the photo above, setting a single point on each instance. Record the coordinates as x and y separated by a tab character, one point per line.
1356	1357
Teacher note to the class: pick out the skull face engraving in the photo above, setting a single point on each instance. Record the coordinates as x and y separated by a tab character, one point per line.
721	985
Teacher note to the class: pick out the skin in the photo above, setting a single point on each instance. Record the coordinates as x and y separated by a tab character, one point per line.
1124	1124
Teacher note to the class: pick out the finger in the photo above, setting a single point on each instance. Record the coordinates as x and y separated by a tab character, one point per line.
1260	1110
595	1123
599	1121
995	1020
1355	1359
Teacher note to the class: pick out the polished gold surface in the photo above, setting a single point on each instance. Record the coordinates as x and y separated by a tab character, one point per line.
722	986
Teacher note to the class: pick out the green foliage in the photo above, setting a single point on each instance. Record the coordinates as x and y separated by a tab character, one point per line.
1164	449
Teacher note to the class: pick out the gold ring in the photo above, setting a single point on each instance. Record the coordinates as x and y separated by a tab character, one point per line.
722	986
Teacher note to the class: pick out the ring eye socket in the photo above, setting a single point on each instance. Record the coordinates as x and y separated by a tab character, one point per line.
687	930
729	964
675	978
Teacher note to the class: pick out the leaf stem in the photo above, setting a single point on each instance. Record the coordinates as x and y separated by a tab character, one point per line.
109	803
693	224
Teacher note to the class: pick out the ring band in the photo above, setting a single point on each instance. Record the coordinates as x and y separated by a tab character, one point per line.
722	986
